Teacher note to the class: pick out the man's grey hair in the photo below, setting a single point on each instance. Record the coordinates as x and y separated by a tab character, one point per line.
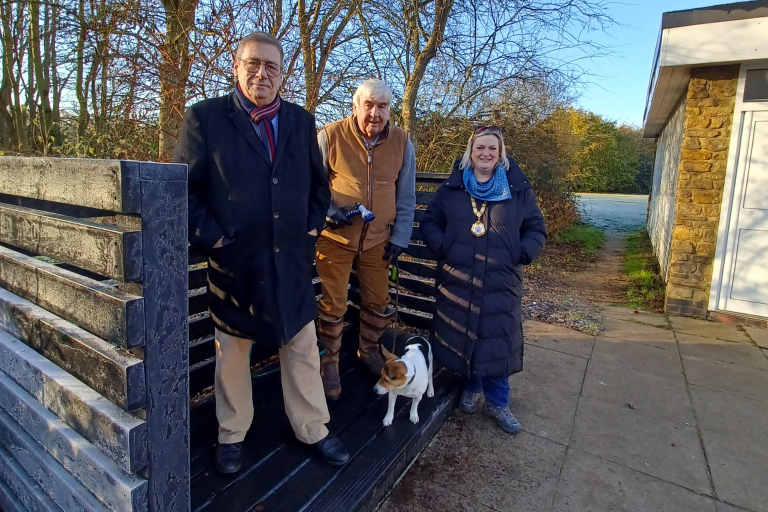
376	88
466	160
260	37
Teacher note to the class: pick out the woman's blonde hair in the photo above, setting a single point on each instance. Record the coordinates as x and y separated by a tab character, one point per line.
466	160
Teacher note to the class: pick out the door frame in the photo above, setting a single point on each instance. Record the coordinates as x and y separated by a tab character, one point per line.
717	296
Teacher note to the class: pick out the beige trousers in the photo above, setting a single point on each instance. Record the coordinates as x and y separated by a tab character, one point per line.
302	387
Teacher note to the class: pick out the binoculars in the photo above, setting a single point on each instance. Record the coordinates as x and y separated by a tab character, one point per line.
359	209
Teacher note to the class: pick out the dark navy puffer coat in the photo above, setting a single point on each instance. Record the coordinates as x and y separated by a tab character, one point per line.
477	328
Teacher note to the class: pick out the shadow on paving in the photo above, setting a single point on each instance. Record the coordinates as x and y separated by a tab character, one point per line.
653	414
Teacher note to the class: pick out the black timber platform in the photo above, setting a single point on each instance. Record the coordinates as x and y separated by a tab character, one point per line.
281	474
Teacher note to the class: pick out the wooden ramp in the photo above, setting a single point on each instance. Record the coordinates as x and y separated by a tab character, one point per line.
280	474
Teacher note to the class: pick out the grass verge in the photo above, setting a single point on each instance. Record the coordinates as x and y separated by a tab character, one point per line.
646	287
569	250
589	238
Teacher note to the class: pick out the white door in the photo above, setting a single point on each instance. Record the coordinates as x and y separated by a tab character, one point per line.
745	283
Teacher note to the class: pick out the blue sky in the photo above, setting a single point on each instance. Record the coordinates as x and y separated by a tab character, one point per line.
619	82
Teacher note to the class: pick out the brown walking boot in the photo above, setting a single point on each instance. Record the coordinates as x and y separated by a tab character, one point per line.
372	326
329	333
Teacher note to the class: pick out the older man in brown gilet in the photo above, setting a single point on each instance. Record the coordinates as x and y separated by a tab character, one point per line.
369	162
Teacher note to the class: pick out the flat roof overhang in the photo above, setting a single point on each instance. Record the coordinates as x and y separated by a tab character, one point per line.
711	36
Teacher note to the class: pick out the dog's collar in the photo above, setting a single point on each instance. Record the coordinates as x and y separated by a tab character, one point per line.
414	371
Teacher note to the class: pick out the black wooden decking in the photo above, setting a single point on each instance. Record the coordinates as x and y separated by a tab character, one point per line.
280	474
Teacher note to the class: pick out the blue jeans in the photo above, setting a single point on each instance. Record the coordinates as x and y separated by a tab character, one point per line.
495	389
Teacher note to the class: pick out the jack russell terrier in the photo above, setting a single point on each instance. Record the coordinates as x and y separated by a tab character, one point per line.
409	375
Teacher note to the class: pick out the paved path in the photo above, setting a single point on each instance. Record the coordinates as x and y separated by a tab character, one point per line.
651	415
616	213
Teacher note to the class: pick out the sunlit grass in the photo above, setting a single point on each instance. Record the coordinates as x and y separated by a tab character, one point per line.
646	287
588	237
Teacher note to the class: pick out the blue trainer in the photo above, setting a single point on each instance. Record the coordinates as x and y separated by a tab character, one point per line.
503	417
469	401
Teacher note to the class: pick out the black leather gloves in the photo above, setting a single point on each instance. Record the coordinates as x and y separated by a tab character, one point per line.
338	217
392	252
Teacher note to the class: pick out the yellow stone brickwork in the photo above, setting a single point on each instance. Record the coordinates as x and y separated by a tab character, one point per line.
708	119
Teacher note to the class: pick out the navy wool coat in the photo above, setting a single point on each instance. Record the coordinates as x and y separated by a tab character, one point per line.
260	282
477	328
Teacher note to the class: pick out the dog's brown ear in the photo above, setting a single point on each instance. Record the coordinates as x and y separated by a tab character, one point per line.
397	373
389	356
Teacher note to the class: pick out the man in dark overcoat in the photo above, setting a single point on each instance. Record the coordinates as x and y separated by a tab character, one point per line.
258	196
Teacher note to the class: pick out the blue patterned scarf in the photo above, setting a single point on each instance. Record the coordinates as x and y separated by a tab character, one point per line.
495	189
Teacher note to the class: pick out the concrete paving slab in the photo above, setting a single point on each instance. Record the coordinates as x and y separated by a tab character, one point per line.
644	391
656	446
644	317
534	327
474	457
684	337
725	507
417	495
549	414
729	414
641	333
589	484
712	349
731	378
638	356
575	343
759	336
738	467
707	329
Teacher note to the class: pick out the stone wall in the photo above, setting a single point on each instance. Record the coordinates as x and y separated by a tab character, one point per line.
661	206
703	158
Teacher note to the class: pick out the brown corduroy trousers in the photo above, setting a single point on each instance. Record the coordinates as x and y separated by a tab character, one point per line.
334	264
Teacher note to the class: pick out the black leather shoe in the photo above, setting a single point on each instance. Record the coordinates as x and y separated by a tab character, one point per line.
332	451
229	458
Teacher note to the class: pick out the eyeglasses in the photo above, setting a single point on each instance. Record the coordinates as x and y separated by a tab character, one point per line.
489	129
254	65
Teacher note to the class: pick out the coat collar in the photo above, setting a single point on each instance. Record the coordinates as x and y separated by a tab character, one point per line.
517	180
243	123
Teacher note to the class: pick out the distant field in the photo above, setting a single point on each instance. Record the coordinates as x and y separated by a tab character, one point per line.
619	213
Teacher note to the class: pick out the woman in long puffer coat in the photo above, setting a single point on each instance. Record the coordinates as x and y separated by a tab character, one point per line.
483	225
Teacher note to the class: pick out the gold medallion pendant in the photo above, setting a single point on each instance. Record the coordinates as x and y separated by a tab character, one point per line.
478	228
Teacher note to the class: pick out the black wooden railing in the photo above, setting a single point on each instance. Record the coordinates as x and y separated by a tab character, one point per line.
94	410
106	344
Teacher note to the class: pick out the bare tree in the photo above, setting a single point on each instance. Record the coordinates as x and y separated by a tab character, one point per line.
322	29
112	79
13	116
465	49
174	71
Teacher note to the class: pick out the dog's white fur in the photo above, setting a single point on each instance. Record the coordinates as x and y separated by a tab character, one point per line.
415	364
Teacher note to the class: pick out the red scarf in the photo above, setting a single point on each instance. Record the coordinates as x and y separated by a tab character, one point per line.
262	117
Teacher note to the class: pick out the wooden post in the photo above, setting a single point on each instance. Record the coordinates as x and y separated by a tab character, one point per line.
166	350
